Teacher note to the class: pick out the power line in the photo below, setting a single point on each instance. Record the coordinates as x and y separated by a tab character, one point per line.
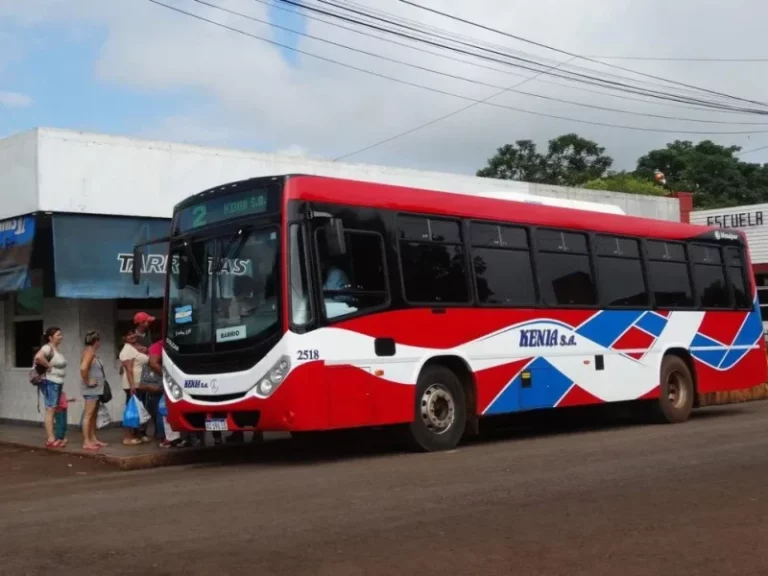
743	152
436	120
445	92
578	77
541	45
678	59
304	14
422	28
471	80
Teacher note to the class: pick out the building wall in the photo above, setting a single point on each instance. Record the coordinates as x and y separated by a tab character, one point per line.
18	174
109	175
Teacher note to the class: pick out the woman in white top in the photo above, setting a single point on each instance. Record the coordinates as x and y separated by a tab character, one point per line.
55	365
133	363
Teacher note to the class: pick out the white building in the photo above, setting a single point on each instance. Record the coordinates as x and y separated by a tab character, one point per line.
73	205
753	220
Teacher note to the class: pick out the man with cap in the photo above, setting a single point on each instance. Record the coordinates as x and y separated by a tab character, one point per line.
142	321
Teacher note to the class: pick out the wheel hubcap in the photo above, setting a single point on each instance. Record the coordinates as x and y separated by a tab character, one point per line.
677	392
438	409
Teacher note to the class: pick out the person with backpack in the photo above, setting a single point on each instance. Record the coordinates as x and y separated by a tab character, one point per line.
52	367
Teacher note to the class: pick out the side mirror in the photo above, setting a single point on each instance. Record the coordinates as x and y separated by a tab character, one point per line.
334	237
138	260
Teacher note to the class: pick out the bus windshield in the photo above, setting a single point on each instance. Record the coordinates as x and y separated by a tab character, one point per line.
230	303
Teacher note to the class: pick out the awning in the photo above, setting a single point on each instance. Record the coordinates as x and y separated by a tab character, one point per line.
17	237
93	256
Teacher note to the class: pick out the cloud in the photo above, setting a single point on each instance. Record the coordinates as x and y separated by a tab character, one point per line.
15	100
246	92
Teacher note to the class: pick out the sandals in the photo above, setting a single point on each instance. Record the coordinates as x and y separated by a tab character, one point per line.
54	444
132	442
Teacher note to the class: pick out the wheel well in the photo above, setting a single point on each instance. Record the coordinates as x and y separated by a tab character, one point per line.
686	357
459	366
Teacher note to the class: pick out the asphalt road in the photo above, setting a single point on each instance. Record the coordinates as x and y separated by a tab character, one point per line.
673	500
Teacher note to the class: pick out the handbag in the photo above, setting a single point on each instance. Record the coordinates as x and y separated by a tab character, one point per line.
37	374
106	396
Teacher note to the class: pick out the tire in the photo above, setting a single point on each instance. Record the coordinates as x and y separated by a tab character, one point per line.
440	411
677	392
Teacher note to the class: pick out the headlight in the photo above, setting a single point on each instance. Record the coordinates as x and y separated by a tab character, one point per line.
274	377
174	390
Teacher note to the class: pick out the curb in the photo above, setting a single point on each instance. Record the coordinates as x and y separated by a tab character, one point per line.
173	456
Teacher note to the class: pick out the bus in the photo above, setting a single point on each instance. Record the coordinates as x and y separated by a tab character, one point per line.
306	304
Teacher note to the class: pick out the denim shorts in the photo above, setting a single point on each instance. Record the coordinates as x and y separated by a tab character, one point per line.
91	396
51	392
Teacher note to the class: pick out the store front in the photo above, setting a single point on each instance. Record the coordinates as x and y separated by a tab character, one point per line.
74	272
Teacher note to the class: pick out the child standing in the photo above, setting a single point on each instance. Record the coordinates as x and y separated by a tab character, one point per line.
60	419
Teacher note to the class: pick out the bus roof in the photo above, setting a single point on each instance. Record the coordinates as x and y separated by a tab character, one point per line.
403	199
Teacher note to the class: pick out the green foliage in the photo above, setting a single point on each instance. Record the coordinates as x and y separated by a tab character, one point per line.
712	172
715	175
627	183
570	161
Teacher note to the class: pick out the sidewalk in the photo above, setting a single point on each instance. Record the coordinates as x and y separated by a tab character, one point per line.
148	455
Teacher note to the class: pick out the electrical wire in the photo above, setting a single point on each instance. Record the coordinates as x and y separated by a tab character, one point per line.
541	45
303	14
679	59
580	77
446	92
436	120
471	80
397	20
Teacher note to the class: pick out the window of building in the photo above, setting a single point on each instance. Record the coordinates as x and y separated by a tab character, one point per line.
502	265
27	323
620	272
356	280
737	277
432	260
668	275
709	276
565	272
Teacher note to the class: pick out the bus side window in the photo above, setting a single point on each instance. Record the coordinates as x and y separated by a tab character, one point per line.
354	281
565	272
432	260
668	275
709	276
620	272
501	260
734	261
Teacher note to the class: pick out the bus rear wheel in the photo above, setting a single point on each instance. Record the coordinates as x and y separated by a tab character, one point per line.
440	412
677	391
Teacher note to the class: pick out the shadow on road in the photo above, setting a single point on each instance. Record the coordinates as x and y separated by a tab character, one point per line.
360	444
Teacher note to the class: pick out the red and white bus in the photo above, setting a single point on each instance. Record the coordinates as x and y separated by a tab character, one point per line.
302	303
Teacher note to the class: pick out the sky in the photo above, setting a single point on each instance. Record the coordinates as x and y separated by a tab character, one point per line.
130	67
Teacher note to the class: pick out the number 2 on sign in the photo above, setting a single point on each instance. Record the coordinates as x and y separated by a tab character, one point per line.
309	355
198	216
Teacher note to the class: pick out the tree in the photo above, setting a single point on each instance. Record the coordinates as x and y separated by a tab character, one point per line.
712	172
570	161
573	160
627	183
518	161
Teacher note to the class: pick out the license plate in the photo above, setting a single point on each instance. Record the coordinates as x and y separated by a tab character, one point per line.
216	425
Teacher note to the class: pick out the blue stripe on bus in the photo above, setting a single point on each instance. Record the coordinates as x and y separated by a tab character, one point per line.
652	323
607	326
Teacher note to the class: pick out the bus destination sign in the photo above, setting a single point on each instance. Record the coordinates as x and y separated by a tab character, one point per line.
225	207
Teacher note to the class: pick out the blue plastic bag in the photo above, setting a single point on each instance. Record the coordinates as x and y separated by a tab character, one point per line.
131	416
162	409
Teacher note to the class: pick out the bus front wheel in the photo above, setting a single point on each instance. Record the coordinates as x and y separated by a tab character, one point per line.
677	391
440	411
